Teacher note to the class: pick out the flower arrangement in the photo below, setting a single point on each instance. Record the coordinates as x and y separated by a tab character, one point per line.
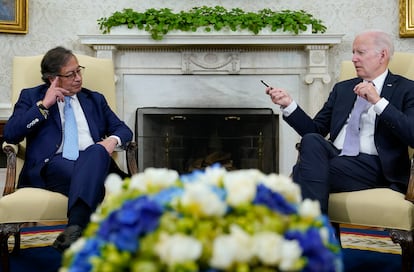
208	220
158	22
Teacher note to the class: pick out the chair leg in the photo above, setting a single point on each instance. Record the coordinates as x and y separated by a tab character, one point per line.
405	240
6	230
16	247
4	254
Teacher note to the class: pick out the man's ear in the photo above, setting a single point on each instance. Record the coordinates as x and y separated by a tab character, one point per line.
385	55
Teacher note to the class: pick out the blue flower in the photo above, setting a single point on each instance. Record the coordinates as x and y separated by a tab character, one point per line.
81	260
124	226
319	257
191	177
273	200
164	197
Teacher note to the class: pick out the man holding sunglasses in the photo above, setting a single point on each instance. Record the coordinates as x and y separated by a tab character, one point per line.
75	165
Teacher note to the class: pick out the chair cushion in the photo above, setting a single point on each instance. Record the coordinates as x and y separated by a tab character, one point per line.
381	207
34	205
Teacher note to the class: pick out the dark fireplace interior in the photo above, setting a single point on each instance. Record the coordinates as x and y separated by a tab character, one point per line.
185	139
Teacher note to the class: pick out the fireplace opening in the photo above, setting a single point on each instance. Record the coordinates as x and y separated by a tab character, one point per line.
186	139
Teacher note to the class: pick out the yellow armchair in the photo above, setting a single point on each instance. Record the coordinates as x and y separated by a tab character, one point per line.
382	207
19	206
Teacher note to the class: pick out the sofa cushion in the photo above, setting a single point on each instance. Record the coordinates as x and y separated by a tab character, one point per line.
380	207
37	205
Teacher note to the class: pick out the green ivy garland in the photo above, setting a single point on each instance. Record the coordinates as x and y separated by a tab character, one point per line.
158	22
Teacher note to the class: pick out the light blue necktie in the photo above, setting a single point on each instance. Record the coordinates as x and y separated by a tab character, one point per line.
70	141
352	141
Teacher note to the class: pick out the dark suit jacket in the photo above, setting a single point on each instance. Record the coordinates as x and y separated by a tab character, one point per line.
394	128
44	136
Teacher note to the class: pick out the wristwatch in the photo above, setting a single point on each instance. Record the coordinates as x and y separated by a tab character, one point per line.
43	110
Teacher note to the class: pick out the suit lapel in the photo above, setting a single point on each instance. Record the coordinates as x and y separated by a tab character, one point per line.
389	87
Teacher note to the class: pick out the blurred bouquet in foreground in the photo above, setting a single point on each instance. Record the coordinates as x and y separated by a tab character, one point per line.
211	220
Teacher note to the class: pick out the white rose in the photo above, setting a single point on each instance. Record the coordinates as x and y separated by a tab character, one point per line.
178	248
154	178
244	243
138	182
283	185
291	253
213	175
310	208
267	247
198	198
113	184
240	186
224	252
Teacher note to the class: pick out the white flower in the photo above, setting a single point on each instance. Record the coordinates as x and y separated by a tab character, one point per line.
113	184
283	185
244	243
199	199
234	247
267	247
213	175
224	252
178	248
291	253
310	208
153	179
240	186
78	245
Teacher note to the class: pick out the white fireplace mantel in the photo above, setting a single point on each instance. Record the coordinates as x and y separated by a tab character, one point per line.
219	70
212	39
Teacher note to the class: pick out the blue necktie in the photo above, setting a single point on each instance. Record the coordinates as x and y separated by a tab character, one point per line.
70	141
351	142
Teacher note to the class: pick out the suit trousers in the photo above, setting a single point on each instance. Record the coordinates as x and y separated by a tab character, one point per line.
320	171
81	179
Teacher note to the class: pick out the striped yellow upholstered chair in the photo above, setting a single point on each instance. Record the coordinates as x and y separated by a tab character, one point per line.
19	206
382	208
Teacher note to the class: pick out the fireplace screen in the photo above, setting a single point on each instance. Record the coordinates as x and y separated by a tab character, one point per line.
186	139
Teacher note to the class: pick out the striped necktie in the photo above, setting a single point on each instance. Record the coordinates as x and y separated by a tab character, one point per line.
70	140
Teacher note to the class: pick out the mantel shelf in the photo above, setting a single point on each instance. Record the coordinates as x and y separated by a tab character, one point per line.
145	40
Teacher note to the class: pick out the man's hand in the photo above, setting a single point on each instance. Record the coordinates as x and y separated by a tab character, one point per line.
367	91
54	94
279	96
109	144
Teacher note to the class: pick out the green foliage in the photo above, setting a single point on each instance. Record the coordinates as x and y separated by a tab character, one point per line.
158	22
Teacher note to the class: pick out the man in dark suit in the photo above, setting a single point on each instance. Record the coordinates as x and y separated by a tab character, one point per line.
386	127
38	117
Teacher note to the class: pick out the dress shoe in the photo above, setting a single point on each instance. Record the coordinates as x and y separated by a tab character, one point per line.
67	237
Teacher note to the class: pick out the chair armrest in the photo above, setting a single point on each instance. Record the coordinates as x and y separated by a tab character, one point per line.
410	190
11	151
131	156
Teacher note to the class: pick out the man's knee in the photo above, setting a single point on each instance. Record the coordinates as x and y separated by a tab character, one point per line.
97	153
312	140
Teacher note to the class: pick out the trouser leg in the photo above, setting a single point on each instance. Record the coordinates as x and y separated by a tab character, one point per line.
312	170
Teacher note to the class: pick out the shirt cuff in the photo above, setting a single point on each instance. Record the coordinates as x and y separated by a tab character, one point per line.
119	143
289	109
379	107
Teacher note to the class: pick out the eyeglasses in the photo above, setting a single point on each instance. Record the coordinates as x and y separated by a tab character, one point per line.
72	75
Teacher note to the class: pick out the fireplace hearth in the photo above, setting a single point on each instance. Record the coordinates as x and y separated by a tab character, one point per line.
186	139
